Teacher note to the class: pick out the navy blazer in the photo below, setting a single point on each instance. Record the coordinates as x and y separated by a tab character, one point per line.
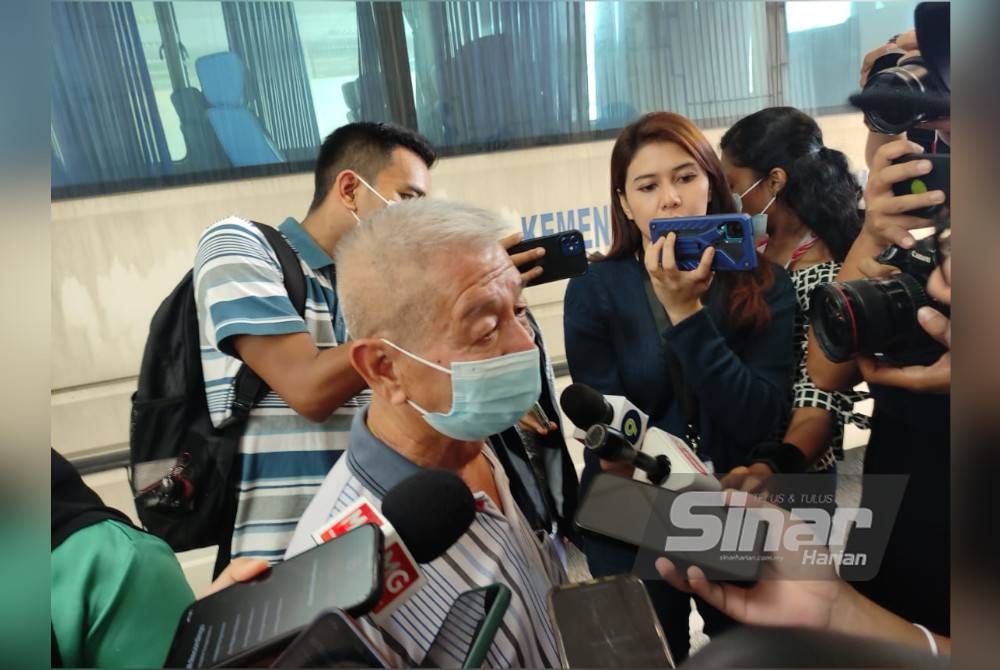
742	383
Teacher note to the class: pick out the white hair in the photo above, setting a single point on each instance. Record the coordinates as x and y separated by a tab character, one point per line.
383	283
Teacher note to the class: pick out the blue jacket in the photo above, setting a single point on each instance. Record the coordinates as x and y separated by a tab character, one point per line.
742	383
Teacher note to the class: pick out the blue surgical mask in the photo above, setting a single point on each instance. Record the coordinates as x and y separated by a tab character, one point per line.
487	396
758	220
388	203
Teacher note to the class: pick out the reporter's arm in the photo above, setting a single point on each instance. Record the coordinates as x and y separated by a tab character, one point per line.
314	383
854	614
810	431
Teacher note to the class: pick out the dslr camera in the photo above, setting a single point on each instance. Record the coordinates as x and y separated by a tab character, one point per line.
878	317
899	93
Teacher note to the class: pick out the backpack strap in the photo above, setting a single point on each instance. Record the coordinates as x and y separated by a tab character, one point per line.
291	268
249	387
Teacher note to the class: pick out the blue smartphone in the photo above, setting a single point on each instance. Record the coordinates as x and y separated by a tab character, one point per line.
730	234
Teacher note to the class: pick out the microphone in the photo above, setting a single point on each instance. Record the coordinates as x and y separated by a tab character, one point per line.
683	470
585	407
611	445
420	518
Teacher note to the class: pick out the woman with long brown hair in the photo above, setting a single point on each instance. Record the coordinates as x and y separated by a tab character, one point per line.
728	335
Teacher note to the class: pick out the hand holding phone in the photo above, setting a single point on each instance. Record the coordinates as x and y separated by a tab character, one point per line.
248	621
731	235
938	179
563	255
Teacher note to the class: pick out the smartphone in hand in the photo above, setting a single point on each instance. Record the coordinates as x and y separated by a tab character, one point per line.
565	256
730	234
938	179
249	621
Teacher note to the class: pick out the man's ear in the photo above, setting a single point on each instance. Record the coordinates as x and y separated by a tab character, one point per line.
345	189
376	363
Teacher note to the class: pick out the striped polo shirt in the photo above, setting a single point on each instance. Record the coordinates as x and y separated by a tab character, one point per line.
499	547
239	290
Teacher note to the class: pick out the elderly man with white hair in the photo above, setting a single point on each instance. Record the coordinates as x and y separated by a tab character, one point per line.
440	335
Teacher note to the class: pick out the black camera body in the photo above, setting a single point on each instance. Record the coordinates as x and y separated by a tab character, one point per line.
878	317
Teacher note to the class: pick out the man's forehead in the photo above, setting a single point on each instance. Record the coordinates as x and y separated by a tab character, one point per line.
489	277
406	166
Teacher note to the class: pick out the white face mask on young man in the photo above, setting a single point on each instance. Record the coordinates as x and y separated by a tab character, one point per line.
388	203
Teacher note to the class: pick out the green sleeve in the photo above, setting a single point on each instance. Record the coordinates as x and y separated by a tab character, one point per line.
117	594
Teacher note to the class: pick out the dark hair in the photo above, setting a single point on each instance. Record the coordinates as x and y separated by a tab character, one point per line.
820	189
748	310
366	148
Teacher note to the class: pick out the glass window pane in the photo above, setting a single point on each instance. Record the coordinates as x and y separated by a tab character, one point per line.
827	42
154	94
330	43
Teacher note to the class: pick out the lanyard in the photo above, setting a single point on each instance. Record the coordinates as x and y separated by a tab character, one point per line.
807	242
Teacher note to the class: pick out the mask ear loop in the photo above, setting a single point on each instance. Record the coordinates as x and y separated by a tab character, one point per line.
415	357
370	188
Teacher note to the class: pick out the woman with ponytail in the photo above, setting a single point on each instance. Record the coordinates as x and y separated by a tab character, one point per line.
804	202
726	343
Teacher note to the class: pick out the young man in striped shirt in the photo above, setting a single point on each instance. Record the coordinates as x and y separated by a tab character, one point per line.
296	433
440	335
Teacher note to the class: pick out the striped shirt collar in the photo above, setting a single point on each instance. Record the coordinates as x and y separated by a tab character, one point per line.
379	467
303	242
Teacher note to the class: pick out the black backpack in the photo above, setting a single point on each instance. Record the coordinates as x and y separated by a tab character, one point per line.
183	469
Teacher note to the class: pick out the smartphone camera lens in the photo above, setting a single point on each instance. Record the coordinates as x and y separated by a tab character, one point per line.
571	245
734	230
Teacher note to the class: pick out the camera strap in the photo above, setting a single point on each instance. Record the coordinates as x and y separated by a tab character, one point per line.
687	400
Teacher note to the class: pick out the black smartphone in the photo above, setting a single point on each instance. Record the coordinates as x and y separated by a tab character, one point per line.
730	234
939	178
332	640
642	515
608	623
248	621
469	628
565	256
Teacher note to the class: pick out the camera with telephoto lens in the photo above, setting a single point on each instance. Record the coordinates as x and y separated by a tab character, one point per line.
897	97
878	317
899	94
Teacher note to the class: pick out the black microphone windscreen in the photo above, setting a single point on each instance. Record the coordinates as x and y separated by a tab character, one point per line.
430	510
584	406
